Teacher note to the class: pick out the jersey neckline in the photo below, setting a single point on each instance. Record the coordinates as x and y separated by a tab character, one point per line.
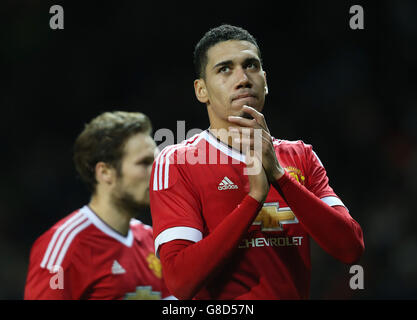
223	147
105	228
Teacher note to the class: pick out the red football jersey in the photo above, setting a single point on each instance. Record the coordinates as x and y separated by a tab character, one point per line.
81	257
197	183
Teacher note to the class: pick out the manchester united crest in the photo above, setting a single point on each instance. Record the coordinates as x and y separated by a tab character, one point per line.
296	174
154	264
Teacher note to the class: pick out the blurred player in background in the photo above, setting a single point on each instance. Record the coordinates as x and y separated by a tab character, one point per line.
101	251
224	234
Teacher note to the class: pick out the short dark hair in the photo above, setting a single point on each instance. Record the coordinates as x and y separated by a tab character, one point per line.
103	139
221	33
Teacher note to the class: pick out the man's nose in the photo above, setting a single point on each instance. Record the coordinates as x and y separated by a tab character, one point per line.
243	80
149	171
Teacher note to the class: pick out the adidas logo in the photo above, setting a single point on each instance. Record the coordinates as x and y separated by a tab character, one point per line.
117	268
226	184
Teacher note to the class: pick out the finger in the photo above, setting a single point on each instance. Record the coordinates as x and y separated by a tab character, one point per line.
259	117
249	131
241	130
243	122
237	132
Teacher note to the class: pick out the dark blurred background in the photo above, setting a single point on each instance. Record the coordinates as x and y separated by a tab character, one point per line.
350	93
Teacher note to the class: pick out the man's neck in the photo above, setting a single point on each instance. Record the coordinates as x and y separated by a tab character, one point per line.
219	128
117	220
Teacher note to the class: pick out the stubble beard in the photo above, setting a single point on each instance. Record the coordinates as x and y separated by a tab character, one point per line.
126	202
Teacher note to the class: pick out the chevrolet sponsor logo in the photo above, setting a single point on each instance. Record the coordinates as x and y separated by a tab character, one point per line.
271	242
272	218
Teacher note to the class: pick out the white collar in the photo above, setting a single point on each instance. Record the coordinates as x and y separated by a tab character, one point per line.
127	241
235	154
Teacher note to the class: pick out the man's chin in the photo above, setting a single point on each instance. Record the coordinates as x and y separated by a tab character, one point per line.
237	110
130	205
243	114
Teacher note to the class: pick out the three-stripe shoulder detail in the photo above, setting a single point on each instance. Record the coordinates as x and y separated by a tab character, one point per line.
163	162
61	240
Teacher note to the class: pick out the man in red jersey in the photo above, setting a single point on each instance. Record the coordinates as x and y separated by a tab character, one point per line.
100	251
222	233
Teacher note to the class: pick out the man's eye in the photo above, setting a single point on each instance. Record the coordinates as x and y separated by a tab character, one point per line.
251	66
224	69
146	162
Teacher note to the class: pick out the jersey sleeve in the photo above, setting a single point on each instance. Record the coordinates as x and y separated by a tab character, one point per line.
175	208
58	282
317	181
165	293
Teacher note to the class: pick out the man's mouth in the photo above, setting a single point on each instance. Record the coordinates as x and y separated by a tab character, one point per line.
243	96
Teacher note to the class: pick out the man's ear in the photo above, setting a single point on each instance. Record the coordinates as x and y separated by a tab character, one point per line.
266	85
201	90
105	174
